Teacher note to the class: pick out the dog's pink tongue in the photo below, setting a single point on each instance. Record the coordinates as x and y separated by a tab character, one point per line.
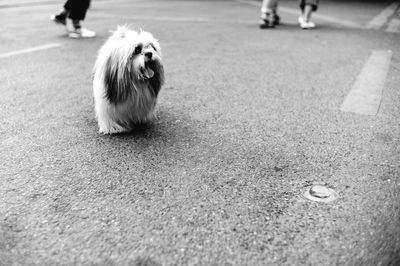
148	73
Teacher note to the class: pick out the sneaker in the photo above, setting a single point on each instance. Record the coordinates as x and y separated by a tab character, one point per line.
276	20
306	24
81	33
59	19
265	21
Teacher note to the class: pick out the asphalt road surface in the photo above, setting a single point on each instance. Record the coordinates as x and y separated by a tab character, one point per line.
247	121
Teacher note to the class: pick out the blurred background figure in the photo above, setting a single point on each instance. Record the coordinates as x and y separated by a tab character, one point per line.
307	7
269	16
76	11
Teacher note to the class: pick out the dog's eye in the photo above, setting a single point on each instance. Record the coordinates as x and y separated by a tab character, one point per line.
152	45
138	49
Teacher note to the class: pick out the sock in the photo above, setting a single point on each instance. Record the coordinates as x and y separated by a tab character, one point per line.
76	24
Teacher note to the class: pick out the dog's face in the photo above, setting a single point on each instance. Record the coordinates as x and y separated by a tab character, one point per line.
145	55
134	63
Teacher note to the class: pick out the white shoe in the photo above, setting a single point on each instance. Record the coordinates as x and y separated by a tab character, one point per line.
301	20
81	33
306	24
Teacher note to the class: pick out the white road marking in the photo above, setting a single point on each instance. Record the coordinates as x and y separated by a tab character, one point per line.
380	20
366	93
26	3
30	50
345	23
393	26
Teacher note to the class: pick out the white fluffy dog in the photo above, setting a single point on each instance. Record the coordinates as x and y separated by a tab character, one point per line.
128	75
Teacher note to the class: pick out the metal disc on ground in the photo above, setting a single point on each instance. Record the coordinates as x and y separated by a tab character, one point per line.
320	193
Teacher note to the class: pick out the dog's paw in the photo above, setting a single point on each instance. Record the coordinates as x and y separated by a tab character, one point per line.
112	130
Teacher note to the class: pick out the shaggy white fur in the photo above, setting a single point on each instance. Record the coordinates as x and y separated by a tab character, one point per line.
128	74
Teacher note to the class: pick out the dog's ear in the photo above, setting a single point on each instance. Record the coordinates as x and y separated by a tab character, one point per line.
115	85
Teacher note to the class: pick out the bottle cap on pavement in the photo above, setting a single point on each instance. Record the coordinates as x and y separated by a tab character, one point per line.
320	193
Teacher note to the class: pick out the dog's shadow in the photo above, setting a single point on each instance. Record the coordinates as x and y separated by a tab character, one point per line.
167	128
144	130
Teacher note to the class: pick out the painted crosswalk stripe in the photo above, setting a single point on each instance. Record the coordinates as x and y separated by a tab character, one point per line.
30	50
380	20
366	93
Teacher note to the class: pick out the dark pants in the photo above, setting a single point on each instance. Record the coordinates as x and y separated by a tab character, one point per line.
312	3
77	8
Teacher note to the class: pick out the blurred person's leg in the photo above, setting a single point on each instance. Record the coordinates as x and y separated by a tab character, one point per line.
269	16
307	7
61	18
77	13
77	9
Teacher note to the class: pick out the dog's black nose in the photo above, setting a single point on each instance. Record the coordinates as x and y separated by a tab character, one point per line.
149	55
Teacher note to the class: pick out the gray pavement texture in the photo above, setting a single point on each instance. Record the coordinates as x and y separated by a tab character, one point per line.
247	121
